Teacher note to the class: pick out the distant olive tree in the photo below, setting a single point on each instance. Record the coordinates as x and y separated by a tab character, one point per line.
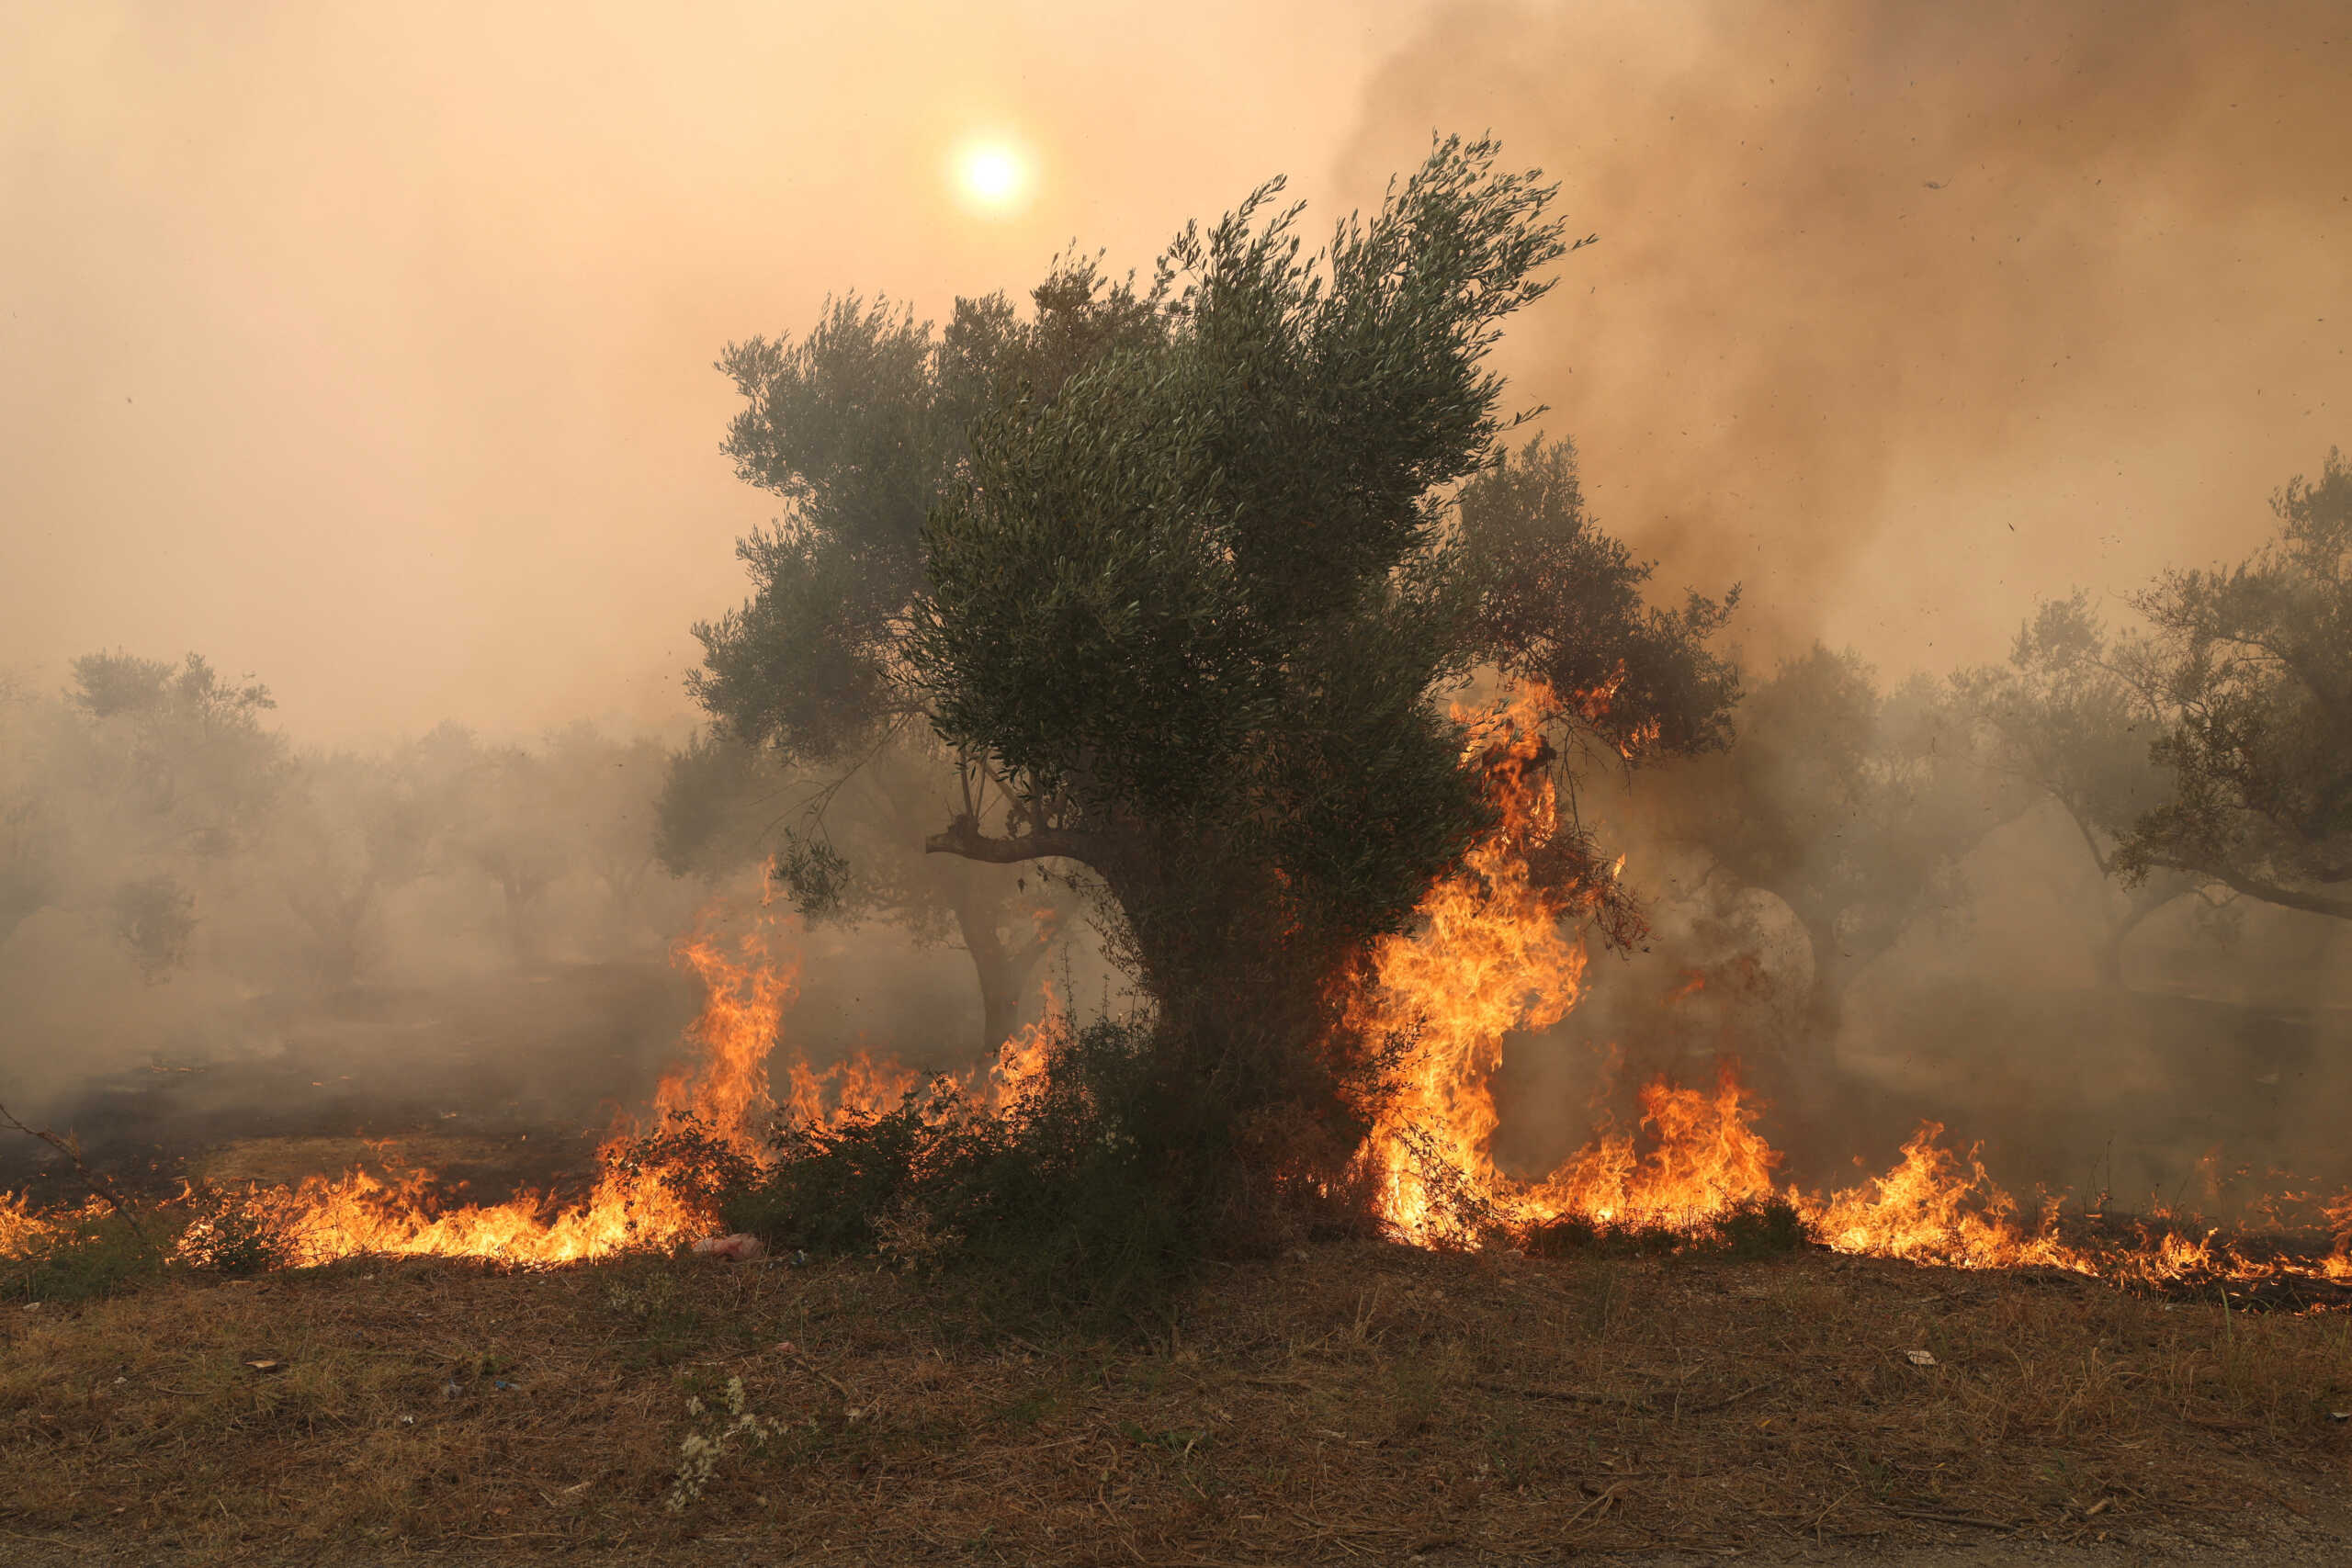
125	796
1852	804
2067	727
2248	671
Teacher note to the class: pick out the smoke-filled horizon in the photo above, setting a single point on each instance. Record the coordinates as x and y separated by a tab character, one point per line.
1910	314
370	352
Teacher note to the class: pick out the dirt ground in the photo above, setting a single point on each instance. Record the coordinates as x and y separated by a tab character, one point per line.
1352	1404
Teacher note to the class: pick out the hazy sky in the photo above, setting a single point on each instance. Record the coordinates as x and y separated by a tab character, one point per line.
367	348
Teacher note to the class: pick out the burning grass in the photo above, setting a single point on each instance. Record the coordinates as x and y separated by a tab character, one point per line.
1356	1400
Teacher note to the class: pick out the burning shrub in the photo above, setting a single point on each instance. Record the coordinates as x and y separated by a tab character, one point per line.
235	1230
702	1169
1756	1227
1069	1191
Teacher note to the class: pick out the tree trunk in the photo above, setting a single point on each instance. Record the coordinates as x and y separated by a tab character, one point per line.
1003	972
2107	957
517	927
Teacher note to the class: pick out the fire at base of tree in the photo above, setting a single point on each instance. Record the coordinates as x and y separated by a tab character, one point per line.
1219	615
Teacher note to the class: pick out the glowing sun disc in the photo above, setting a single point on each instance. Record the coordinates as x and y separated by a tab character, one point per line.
991	174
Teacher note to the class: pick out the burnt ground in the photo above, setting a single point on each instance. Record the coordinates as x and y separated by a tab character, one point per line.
1354	1404
499	1081
1348	1402
506	1080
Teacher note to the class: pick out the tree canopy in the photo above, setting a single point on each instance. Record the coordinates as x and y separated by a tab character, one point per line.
2067	727
2250	668
1852	804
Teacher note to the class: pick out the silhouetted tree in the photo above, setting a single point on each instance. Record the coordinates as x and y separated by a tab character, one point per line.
1853	806
2067	725
130	793
2249	668
354	830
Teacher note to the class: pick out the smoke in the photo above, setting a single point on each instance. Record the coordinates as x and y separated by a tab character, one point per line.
1905	314
368	349
369	352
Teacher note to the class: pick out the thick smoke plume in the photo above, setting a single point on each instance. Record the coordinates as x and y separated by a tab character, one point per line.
1906	312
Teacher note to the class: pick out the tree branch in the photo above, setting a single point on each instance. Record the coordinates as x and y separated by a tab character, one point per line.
71	1148
964	838
2267	892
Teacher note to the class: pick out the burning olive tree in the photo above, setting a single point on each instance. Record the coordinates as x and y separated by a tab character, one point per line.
1185	581
1193	620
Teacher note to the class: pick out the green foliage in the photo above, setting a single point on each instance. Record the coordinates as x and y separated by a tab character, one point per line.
1075	1195
87	1253
229	1231
1194	611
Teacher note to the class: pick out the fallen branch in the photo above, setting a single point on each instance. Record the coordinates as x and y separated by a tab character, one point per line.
1731	1399
1601	1503
1569	1395
1972	1519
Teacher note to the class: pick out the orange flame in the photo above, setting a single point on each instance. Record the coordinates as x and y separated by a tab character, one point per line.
724	1090
1489	958
1020	1063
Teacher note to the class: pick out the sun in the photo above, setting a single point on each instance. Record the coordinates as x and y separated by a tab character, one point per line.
992	175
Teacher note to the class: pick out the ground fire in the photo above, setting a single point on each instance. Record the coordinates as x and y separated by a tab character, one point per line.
1493	955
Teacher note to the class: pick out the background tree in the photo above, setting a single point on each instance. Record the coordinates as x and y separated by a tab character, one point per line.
180	752
130	793
28	853
2067	726
858	427
507	824
355	828
606	795
2250	667
1853	806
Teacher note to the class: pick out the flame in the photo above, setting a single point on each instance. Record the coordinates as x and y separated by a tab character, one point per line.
22	1229
722	1091
726	1088
1489	958
1020	1063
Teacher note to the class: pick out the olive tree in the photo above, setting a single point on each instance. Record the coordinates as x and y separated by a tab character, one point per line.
2249	671
1198	569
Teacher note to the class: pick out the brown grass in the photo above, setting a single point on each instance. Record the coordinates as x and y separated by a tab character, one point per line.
1361	1402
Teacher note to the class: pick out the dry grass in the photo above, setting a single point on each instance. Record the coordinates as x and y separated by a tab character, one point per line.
1360	1402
